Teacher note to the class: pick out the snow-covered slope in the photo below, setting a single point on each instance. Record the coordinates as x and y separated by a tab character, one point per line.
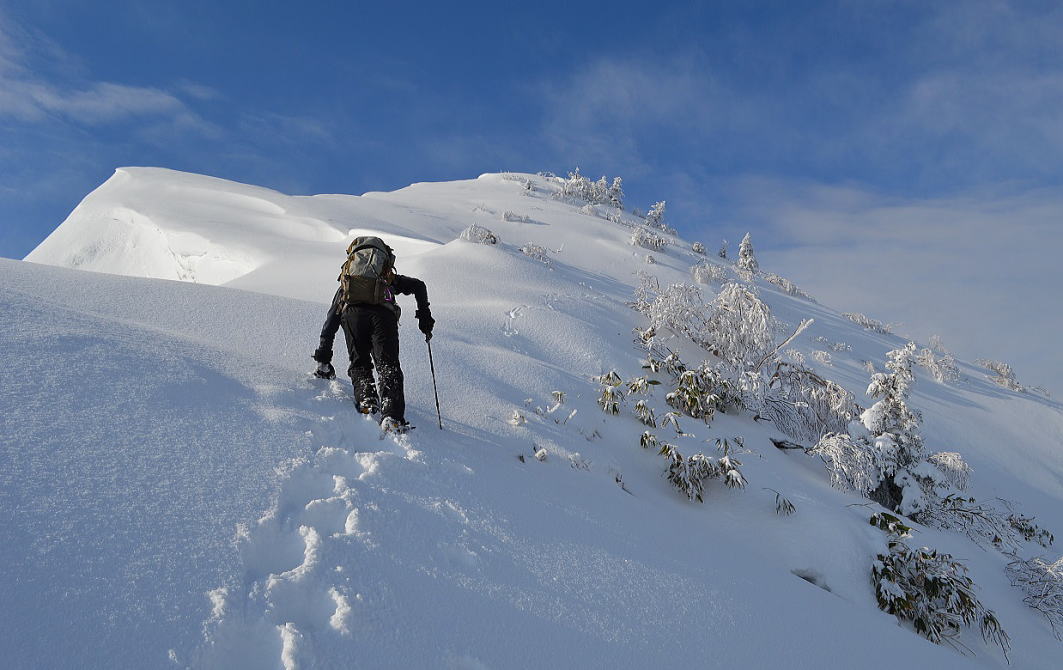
144	420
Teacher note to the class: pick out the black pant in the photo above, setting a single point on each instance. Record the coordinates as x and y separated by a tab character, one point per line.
372	333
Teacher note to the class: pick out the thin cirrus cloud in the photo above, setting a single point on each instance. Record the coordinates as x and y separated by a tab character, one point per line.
979	269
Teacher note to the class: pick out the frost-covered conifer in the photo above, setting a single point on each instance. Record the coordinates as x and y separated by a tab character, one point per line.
895	428
655	217
746	260
615	194
722	253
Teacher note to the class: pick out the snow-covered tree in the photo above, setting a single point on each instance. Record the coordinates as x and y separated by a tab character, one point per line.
722	253
615	194
895	429
746	260
655	217
698	248
708	273
1003	374
642	237
740	329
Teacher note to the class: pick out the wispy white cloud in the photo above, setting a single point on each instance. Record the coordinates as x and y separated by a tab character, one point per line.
981	270
27	94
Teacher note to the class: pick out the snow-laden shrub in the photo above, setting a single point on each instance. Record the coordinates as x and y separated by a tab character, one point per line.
699	393
795	356
822	357
479	235
642	237
869	323
747	262
787	286
513	217
698	248
689	475
1042	583
610	395
806	406
988	525
740	328
941	365
536	252
932	591
708	273
955	472
578	187
1003	374
851	463
722	253
650	260
679	308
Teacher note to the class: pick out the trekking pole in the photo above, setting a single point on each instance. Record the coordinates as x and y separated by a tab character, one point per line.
432	365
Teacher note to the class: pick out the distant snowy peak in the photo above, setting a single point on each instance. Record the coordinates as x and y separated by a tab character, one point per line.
159	223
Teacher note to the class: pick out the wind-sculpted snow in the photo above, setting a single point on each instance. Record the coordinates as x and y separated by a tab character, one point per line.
177	492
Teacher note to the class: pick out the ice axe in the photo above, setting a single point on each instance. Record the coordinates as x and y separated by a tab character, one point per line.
432	366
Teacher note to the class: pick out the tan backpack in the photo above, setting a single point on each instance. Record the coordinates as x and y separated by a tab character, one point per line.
367	273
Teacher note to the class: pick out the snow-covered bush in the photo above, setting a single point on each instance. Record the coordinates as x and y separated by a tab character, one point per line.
985	524
698	248
699	393
578	187
479	235
787	286
747	262
689	475
933	592
955	472
610	397
708	273
851	462
1042	583
722	253
642	237
678	308
940	364
822	357
806	406
795	356
869	323
536	252
513	217
740	328
1003	374
650	260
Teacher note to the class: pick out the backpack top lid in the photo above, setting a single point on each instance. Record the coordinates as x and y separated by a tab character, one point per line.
369	240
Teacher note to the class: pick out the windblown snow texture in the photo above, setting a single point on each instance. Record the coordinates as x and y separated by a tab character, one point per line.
177	491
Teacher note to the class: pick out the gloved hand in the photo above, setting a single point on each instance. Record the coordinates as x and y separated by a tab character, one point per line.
325	371
425	322
323	354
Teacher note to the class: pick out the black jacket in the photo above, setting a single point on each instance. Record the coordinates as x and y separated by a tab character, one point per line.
400	284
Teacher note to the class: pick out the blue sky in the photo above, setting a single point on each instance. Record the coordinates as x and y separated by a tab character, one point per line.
843	134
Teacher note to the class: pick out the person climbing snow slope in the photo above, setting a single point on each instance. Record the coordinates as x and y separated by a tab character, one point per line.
365	306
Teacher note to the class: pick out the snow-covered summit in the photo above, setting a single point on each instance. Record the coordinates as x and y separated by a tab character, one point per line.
144	419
